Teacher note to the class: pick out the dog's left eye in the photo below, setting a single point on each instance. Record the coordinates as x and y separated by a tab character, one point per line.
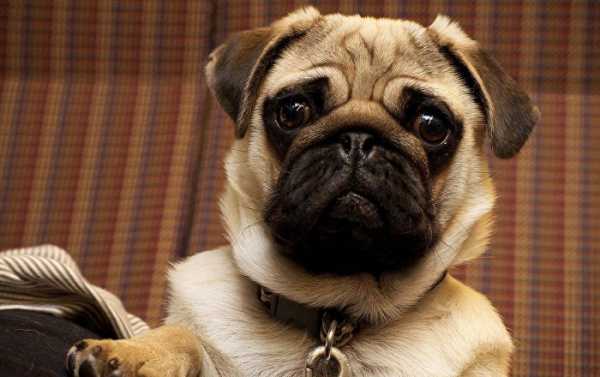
431	128
293	112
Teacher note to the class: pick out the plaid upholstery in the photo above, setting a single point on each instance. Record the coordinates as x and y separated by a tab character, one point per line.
111	148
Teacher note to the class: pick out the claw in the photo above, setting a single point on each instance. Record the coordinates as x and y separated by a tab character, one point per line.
87	369
82	361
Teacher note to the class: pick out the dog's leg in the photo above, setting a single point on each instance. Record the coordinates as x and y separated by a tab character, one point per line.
168	351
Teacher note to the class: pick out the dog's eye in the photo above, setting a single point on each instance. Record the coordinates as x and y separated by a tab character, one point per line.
431	128
293	112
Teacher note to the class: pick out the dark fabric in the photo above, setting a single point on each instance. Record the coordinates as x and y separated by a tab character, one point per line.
35	344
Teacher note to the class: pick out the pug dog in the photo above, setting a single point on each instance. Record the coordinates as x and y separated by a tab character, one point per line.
358	177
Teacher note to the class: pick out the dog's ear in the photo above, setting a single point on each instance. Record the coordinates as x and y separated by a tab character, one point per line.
509	113
236	69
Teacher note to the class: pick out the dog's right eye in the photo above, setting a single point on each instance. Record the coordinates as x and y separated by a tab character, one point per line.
293	112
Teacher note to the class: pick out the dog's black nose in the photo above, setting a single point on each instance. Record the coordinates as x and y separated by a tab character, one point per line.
355	145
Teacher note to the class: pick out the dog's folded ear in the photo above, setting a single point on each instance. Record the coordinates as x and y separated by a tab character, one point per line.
509	112
236	69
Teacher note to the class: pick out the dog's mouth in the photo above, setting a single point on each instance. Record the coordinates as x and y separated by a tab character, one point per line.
355	210
332	216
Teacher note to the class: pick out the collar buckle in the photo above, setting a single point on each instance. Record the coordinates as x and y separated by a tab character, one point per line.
322	356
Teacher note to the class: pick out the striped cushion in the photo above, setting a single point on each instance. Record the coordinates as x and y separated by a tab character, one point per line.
111	147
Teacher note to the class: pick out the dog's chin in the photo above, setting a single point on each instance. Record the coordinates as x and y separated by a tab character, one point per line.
353	235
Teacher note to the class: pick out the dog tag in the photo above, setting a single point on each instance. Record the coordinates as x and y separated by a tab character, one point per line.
319	353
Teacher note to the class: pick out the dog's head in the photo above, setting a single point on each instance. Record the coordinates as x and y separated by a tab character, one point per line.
360	154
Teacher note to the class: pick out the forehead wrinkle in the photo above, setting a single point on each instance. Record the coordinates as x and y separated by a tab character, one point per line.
334	66
360	45
368	55
367	46
377	50
344	44
379	85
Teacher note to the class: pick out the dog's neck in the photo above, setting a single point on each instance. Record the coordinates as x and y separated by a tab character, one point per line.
309	318
363	297
289	312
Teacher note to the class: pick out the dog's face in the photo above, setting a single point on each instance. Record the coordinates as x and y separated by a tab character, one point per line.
356	177
359	139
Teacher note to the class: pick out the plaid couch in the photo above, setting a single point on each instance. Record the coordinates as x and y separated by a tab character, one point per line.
111	147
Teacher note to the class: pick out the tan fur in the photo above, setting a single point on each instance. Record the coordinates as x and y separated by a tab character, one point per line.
169	351
448	331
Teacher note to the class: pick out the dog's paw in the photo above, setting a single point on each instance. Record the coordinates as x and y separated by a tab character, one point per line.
167	351
112	358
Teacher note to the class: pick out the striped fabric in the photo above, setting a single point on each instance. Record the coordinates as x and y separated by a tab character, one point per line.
46	279
111	148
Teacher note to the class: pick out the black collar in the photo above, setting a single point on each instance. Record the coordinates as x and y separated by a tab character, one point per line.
290	312
308	318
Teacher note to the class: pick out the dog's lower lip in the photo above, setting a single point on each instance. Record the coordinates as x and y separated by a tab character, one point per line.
354	207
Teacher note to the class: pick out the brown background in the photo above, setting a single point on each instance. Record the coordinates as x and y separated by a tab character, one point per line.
111	148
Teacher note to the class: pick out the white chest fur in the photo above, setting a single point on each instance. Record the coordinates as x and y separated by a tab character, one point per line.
444	335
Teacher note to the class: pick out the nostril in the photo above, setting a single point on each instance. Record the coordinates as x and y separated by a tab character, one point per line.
346	143
368	145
